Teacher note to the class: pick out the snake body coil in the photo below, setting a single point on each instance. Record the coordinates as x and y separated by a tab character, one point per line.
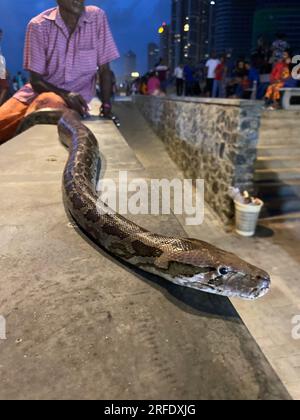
185	262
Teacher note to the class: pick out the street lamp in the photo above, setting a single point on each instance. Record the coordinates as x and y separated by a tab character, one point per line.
211	11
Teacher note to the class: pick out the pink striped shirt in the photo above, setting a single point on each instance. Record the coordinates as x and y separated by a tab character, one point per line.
68	63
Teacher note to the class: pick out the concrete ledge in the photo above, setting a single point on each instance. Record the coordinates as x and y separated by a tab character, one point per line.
214	101
211	139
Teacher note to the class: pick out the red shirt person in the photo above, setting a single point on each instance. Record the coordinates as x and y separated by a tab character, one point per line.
64	48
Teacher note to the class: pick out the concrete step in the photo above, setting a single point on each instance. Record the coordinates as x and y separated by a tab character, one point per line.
278	150
277	162
278	206
280	123
280	135
283	219
280	115
276	175
278	189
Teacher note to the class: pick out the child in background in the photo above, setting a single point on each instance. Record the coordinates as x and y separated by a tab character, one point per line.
280	75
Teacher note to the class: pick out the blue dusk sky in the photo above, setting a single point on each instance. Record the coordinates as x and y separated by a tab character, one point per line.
134	23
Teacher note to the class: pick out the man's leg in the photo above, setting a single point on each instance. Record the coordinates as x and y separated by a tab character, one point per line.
207	87
46	100
181	86
211	85
177	87
13	111
215	89
11	114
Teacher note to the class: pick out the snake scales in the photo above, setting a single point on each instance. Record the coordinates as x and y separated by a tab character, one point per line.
185	262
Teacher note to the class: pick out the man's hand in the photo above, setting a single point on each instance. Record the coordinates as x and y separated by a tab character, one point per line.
76	102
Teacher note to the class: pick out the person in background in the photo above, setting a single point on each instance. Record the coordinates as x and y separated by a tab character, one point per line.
260	57
239	82
188	74
253	73
211	66
15	84
162	71
20	80
143	86
4	89
128	88
179	75
279	46
253	78
280	75
154	85
4	83
197	82
220	77
64	48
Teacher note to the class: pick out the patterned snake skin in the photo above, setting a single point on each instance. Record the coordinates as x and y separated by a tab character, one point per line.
185	262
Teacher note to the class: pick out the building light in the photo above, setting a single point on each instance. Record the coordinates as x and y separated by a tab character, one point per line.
135	74
161	30
186	28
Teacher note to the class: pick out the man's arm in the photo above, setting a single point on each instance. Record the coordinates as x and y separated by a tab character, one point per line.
105	88
4	89
3	93
73	100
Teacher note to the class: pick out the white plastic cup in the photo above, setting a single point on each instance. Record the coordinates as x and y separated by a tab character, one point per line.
246	217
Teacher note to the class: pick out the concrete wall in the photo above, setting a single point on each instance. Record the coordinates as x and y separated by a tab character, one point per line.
211	139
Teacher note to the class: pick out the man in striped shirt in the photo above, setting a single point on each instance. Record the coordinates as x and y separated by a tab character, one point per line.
64	48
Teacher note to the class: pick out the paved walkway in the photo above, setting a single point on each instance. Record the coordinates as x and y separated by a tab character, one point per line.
80	325
276	248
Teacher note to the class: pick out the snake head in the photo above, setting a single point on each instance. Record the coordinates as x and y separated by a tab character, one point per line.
203	267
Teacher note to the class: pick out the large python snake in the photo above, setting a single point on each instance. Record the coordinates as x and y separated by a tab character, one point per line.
185	262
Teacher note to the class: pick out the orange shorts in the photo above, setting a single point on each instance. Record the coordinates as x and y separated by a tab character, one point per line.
13	111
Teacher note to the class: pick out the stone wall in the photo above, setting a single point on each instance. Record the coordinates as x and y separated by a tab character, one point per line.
211	139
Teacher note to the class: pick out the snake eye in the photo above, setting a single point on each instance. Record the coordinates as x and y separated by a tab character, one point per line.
223	271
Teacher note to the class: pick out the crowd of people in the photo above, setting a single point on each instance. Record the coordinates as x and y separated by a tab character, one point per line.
268	70
262	76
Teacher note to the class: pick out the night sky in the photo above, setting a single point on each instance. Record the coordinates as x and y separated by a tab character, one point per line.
134	23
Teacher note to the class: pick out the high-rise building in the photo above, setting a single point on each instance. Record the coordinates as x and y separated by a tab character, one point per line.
234	24
277	16
153	55
239	23
164	43
129	63
177	32
192	30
